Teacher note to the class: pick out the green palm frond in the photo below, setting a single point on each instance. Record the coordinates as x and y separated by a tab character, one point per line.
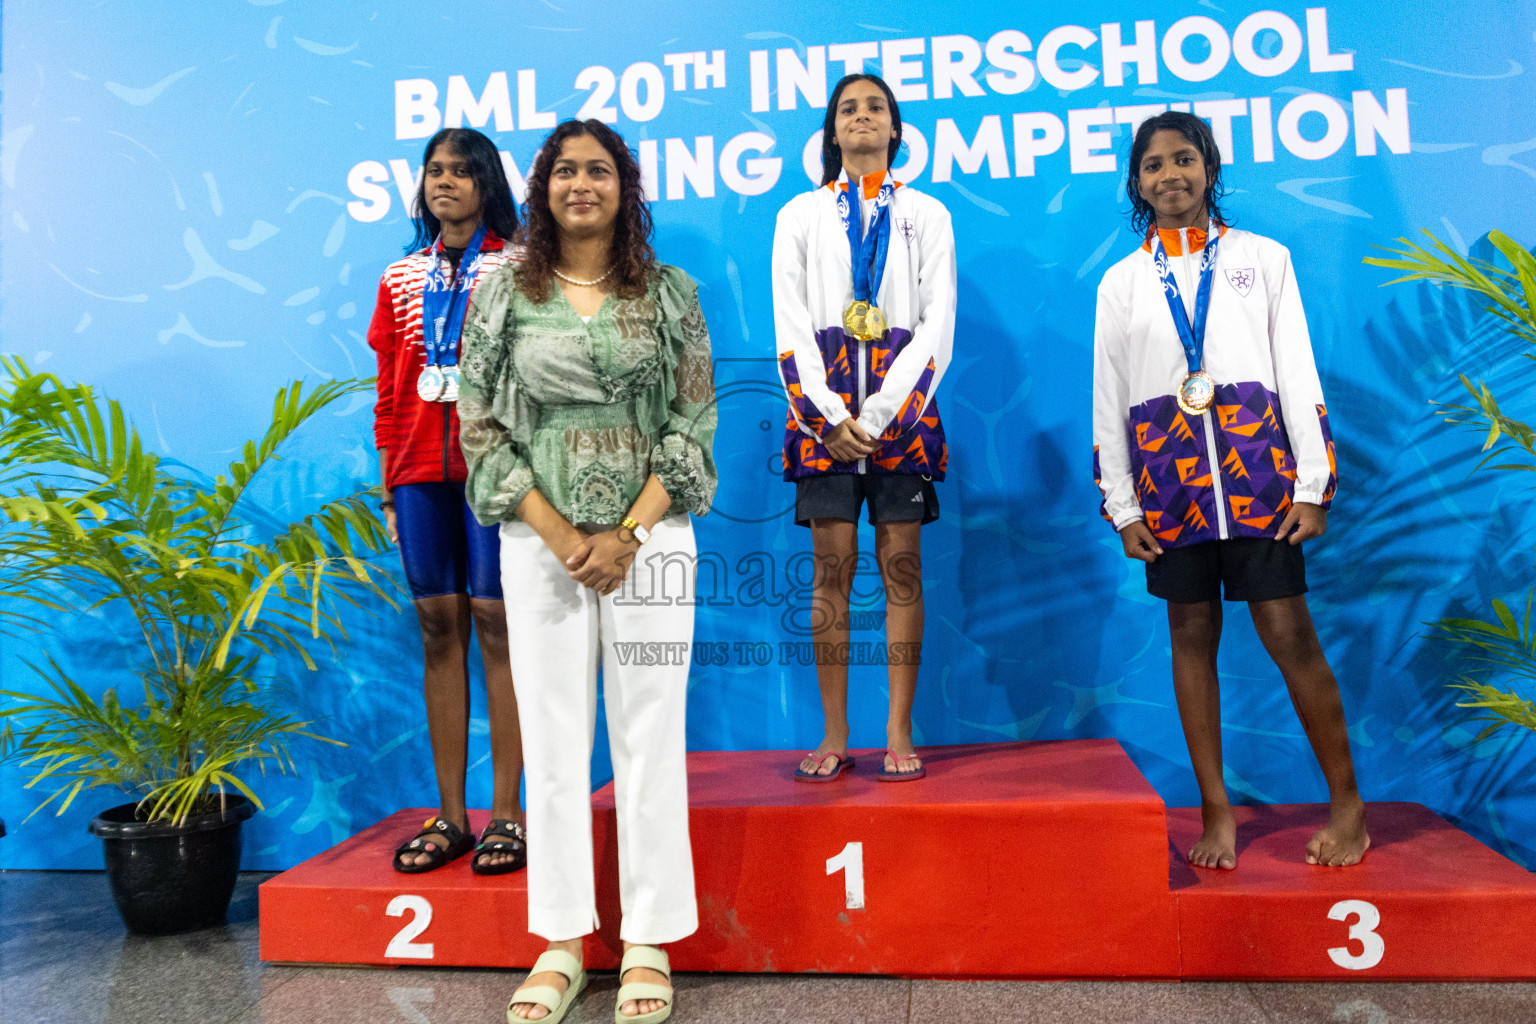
1508	443
89	519
1511	292
291	409
1504	707
1504	646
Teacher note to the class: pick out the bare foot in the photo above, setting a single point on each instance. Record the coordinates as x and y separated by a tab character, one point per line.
902	763
644	975
822	762
1343	841
553	979
1217	846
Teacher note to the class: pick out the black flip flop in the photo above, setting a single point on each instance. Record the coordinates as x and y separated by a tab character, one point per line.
459	843
517	846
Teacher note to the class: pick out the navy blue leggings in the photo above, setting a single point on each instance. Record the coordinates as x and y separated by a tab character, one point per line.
445	551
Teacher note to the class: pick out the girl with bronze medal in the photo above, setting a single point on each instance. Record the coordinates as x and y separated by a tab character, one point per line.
864	311
1198	389
1216	466
465	217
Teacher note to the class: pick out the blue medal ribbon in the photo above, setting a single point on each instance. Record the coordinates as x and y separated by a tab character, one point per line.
1192	337
867	249
444	301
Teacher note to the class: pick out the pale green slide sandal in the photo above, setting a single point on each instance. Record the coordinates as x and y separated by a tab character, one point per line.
656	960
552	999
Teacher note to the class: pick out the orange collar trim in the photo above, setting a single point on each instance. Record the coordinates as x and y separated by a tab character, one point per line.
871	185
1173	243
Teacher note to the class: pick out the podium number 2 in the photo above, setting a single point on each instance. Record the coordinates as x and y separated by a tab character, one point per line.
403	946
1363	931
851	863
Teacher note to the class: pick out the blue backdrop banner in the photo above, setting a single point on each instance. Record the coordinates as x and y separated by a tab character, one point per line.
198	199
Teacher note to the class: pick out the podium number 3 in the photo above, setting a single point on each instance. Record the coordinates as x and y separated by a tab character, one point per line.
851	863
403	946
1363	931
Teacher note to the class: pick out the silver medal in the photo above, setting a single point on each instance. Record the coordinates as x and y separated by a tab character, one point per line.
431	384
450	384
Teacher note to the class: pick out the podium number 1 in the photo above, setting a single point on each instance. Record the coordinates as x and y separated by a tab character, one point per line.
851	863
404	945
1363	931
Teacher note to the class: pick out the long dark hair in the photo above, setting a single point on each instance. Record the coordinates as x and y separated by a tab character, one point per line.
497	209
831	152
634	260
1200	136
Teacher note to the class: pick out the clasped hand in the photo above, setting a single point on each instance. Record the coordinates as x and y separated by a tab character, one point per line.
601	561
849	442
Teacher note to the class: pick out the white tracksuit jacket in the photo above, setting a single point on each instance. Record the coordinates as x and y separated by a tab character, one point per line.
1266	434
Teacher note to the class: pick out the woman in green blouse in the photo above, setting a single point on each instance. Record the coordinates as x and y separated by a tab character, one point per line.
587	417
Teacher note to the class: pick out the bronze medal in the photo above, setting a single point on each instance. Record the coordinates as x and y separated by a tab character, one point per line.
1197	392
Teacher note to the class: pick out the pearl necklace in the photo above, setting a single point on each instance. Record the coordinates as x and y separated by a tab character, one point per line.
583	284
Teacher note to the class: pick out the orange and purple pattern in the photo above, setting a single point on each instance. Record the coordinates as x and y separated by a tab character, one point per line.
912	443
1171	464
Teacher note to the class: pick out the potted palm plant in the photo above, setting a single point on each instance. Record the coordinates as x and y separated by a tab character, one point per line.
1503	645
90	520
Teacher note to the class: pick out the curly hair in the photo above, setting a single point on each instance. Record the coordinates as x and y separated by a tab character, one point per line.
1199	134
634	259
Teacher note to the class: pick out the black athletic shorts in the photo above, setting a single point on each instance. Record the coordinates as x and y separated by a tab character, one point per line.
1249	568
892	497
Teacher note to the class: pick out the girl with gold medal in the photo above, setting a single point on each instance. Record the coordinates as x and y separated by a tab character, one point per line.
1213	452
864	313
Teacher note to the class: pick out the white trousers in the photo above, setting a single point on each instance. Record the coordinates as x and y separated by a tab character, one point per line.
556	628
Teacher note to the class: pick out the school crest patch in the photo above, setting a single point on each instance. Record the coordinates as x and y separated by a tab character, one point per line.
1241	280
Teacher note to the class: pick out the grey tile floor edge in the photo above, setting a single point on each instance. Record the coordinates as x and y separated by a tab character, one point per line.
65	957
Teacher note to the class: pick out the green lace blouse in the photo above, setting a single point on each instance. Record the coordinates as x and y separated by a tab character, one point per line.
586	412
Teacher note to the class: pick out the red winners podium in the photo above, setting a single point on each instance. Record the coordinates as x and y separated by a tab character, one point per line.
1428	902
1038	860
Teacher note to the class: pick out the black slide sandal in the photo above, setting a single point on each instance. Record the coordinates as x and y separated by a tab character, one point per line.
517	845
459	843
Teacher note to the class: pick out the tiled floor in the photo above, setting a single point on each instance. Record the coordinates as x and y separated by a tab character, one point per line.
64	957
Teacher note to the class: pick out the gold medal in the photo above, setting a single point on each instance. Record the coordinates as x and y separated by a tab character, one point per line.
854	319
876	322
1196	392
864	321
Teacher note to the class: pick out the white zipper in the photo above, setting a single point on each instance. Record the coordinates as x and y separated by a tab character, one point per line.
1206	418
1210	442
864	346
863	354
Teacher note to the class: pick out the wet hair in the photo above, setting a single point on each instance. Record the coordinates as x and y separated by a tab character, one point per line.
831	152
634	260
497	208
1200	136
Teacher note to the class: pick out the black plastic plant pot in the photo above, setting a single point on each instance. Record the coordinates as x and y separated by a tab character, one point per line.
172	878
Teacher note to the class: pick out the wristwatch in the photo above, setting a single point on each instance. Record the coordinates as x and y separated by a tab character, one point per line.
639	532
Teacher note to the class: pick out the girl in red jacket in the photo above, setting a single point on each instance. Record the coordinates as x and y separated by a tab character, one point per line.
464	217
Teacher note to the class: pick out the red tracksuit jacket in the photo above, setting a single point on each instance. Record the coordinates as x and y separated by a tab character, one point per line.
422	437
